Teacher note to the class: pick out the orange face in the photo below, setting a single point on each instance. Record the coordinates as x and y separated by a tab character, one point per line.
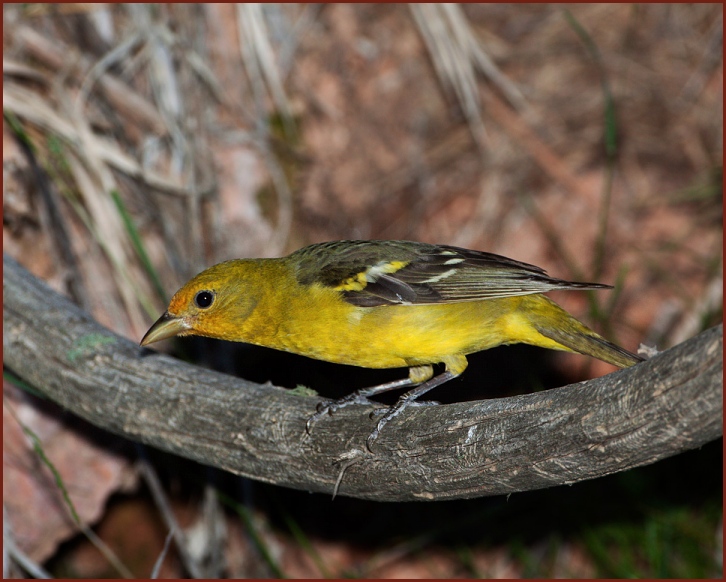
215	303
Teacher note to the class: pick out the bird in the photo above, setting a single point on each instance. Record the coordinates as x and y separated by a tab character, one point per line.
383	304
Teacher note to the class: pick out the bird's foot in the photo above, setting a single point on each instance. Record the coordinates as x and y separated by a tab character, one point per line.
328	408
408	399
388	414
357	397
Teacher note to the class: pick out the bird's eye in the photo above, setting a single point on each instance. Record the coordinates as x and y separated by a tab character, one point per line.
204	299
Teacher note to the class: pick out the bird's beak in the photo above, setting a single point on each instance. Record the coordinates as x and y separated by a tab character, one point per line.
166	326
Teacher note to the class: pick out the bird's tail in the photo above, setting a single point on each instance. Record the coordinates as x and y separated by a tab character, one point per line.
555	323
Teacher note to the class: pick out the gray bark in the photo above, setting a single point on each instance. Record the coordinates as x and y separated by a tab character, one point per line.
666	405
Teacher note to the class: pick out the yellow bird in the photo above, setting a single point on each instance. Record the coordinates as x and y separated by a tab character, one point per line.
383	304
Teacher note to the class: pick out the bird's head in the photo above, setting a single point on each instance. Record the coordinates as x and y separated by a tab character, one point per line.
215	303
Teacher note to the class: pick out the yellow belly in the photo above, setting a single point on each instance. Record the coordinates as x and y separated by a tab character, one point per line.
405	335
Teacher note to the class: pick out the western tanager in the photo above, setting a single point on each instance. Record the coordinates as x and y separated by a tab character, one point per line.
383	304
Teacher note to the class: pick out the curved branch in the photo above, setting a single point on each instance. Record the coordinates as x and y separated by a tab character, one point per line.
632	417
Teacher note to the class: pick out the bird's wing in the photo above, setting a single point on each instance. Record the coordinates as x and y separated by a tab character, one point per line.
371	273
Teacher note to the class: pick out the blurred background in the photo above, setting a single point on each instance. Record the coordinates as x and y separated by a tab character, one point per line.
143	143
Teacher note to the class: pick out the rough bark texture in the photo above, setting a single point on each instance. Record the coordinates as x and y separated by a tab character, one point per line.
633	417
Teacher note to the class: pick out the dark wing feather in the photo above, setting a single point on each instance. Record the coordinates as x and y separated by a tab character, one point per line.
371	273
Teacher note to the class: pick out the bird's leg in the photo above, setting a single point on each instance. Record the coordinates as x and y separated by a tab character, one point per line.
455	365
408	399
416	375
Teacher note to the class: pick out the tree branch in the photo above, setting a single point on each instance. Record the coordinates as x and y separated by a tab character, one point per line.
633	417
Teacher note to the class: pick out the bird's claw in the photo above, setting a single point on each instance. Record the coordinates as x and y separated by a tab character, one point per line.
321	411
328	408
372	437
